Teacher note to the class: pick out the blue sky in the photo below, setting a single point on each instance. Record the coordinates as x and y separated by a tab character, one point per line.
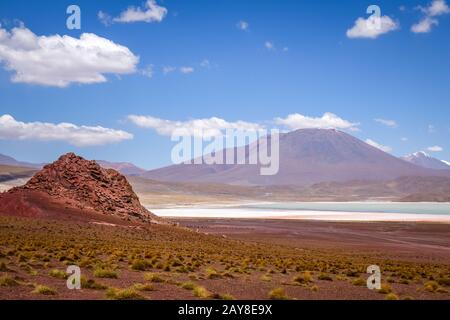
293	57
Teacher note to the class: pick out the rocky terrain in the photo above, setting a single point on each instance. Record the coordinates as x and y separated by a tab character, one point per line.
73	183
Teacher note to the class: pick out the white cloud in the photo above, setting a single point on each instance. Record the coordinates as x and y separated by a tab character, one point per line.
404	139
269	45
205	64
148	71
435	9
372	27
80	136
242	25
61	60
186	70
424	26
327	121
386	122
378	146
197	127
435	149
168	69
151	12
104	18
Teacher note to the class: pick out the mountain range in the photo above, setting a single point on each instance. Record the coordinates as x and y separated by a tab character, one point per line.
423	159
306	157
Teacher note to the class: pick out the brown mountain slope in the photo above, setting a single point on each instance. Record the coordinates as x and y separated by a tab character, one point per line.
72	185
307	156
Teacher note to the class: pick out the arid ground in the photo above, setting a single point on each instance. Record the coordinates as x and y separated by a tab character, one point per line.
223	259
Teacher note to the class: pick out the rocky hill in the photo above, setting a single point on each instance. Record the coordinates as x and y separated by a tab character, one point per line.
77	184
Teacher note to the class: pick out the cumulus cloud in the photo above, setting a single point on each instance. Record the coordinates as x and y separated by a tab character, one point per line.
378	146
372	27
61	60
436	8
327	121
80	136
435	149
242	25
186	70
386	122
425	25
205	128
151	12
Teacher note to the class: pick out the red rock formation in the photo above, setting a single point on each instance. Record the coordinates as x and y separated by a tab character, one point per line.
76	183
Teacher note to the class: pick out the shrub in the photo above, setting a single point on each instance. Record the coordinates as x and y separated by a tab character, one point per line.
139	265
91	284
445	281
278	294
201	292
143	287
152	277
40	289
7	281
359	282
391	296
431	286
105	273
352	273
188	285
212	273
123	294
55	273
266	277
304	278
225	296
385	289
324	276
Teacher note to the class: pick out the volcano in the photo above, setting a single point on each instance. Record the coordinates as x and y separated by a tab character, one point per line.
75	188
306	157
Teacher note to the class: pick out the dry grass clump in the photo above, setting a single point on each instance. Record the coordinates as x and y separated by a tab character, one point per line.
105	273
212	273
7	281
91	284
143	287
124	294
278	294
201	292
188	285
41	289
153	277
55	273
359	282
391	296
139	265
325	277
385	288
304	278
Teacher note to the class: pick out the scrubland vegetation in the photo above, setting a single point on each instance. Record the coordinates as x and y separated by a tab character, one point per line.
174	263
